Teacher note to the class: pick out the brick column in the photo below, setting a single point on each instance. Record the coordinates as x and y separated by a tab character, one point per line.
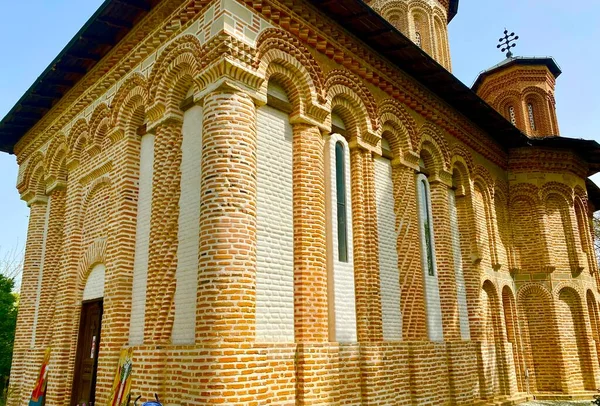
366	247
120	253
445	260
67	307
227	255
310	256
19	384
51	268
471	260
310	265
164	227
412	293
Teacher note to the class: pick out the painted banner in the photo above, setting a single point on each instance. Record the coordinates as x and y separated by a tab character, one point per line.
122	383
39	390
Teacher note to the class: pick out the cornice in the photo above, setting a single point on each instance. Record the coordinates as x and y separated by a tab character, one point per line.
164	23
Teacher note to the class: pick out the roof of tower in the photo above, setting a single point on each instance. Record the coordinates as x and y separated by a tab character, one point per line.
547	61
452	9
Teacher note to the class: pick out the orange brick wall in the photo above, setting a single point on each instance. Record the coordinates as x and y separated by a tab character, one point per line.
525	253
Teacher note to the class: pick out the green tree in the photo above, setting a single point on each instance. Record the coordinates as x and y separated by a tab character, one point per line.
596	231
8	323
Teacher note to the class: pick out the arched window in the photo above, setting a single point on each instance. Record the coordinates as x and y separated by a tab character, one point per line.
340	186
428	261
426	225
512	115
340	270
531	114
418	39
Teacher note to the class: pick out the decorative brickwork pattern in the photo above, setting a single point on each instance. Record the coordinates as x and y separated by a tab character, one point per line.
233	231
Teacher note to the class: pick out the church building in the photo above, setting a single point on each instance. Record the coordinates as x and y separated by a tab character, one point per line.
295	202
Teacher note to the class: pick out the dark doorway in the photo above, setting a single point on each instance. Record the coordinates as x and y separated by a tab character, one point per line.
86	361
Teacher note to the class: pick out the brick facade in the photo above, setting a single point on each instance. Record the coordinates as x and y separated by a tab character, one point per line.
206	140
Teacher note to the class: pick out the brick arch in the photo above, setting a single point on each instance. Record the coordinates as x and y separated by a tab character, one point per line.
594	317
462	160
495	369
96	187
396	12
431	142
278	46
578	359
391	111
95	253
130	103
580	192
98	126
561	189
513	334
37	181
344	83
557	210
422	9
28	173
59	143
483	183
292	82
56	163
539	331
175	70
461	175
525	190
352	111
76	141
441	37
506	100
540	102
526	219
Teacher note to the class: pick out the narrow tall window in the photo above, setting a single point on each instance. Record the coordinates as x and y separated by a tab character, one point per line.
531	115
340	185
427	228
513	115
418	39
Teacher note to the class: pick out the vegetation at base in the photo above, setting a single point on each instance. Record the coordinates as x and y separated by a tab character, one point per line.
8	323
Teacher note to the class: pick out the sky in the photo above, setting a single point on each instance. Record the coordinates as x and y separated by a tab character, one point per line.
33	32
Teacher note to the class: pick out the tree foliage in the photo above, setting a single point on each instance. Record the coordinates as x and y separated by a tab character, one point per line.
8	324
11	265
596	230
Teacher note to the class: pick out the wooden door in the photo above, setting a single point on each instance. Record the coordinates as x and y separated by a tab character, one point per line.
86	361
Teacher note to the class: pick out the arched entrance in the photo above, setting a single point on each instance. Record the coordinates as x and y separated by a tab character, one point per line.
574	340
538	329
88	341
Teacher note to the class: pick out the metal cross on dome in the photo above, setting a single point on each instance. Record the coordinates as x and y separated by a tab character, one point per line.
508	42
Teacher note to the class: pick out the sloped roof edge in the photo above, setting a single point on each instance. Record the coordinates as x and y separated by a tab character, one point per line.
548	61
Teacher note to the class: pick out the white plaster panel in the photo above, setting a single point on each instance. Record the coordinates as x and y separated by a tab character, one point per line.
38	292
94	286
342	303
432	290
389	274
275	228
184	325
142	241
461	293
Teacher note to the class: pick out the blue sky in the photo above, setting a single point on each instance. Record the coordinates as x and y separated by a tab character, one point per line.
33	32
